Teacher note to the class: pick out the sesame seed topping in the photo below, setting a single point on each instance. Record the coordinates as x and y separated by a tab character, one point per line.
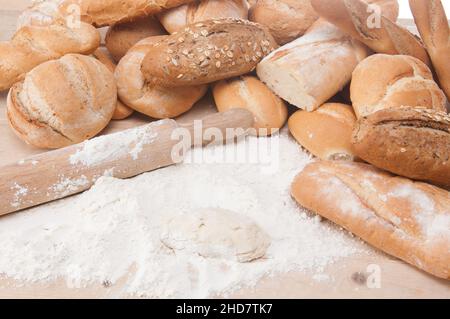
218	64
204	33
230	54
181	39
180	76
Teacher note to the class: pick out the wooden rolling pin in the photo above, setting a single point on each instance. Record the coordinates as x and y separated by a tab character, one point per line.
74	169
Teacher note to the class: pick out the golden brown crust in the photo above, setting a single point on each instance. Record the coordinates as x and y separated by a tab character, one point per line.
249	93
286	19
409	220
202	10
206	52
62	102
325	132
139	94
121	37
33	45
383	81
380	34
412	142
433	26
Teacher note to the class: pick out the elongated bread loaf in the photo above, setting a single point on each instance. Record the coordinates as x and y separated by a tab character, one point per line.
432	23
62	102
377	31
202	10
412	142
206	52
310	70
409	220
33	45
155	101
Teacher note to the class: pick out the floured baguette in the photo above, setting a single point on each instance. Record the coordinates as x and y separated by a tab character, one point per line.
433	26
382	35
409	220
312	69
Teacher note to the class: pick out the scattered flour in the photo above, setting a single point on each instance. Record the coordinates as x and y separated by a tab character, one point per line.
102	234
67	186
20	192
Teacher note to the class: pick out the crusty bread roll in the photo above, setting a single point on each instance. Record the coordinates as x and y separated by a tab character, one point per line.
139	94
412	142
286	19
433	26
33	45
206	52
121	37
312	69
201	10
378	32
122	111
39	13
382	81
326	132
409	220
62	102
247	92
109	12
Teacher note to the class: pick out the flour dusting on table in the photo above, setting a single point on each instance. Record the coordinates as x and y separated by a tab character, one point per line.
100	235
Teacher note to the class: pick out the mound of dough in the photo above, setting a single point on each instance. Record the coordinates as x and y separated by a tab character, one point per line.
215	233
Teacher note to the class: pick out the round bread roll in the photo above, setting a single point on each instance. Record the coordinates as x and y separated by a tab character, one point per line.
215	233
382	81
249	93
201	10
286	19
154	101
121	37
326	132
62	102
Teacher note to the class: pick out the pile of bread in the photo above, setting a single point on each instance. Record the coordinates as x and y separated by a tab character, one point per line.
368	90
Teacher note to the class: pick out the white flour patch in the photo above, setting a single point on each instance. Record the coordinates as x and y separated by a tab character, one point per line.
67	186
20	192
101	234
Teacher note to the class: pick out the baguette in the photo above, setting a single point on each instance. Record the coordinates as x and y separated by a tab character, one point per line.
122	111
409	220
412	142
154	101
206	52
310	70
33	45
62	102
432	23
383	81
356	18
202	10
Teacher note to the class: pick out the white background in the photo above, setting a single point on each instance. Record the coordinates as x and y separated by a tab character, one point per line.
405	13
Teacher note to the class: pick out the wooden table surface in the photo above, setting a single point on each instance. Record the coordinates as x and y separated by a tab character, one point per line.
349	275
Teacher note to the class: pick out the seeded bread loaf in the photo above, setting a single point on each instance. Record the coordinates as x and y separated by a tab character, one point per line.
383	81
433	26
406	219
202	10
206	52
411	142
155	101
62	102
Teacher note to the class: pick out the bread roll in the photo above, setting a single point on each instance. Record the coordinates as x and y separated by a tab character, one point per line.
62	102
409	220
378	32
326	132
286	19
412	142
122	111
39	13
137	93
206	52
33	45
432	23
382	81
312	69
121	37
201	10
247	92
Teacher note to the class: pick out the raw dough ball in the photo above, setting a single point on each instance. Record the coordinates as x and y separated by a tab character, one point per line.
215	233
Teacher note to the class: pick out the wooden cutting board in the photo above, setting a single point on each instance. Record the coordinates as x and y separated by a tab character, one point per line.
348	277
